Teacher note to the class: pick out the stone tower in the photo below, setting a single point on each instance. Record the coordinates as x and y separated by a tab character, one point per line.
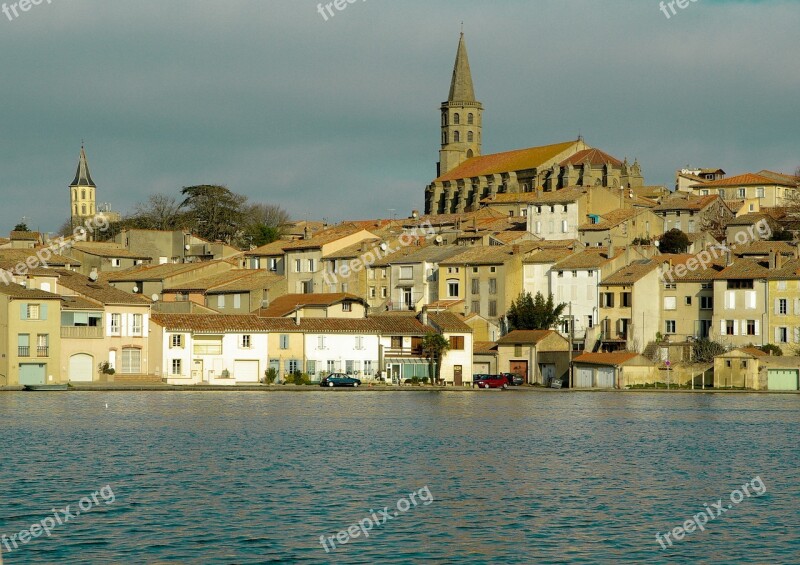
462	117
82	193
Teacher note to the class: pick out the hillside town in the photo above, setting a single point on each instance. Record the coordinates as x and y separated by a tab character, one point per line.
692	285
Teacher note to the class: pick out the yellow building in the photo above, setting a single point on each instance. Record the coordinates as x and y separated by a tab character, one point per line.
30	324
783	303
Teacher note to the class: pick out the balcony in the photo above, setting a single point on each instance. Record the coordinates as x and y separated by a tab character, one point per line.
43	351
404	352
82	332
24	351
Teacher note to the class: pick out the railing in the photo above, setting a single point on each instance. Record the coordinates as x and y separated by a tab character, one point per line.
82	332
404	352
24	351
43	351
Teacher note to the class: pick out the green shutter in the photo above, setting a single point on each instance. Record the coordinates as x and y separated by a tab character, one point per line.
23	310
43	312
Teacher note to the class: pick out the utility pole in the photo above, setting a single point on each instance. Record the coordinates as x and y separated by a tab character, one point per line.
571	331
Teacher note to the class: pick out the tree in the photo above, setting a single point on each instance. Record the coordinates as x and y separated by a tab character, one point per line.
704	350
674	241
781	235
264	223
160	212
22	226
214	212
534	313
772	349
434	346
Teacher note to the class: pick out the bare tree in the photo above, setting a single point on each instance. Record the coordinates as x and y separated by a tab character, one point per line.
264	223
160	212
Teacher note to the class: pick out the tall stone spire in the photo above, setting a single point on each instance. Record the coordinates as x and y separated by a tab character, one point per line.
82	190
82	176
461	89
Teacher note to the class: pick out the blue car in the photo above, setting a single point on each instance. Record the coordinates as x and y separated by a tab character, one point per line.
339	379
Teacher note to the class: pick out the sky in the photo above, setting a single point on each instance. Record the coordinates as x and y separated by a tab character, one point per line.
339	119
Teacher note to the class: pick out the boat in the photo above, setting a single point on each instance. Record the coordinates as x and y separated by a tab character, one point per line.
43	388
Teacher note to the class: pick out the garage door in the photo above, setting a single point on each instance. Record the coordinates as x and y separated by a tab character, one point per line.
782	379
480	368
583	377
605	377
245	371
31	374
81	368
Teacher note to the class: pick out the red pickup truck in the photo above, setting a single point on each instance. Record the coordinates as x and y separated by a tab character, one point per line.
491	381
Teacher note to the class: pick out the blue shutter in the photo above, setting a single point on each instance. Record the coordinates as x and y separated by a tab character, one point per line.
23	310
43	312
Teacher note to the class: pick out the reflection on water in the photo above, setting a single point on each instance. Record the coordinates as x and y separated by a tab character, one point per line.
516	477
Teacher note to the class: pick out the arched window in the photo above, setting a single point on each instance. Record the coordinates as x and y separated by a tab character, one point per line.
469	154
456	118
470	119
83	194
444	118
76	209
470	137
74	194
456	137
444	138
83	209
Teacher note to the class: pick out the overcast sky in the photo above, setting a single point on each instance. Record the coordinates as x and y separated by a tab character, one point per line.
339	119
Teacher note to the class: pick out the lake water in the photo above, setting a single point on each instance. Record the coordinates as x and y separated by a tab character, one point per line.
513	477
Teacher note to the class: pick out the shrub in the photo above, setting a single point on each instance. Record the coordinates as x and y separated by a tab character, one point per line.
298	378
106	368
270	375
704	350
772	349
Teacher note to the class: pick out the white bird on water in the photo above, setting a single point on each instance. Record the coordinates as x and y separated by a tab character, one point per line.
106	405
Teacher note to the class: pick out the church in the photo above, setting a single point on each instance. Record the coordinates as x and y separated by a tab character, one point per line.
82	198
466	179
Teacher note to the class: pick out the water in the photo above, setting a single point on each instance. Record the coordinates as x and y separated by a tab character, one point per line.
515	477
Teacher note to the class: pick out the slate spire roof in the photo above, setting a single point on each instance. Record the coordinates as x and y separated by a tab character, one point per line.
461	89
82	176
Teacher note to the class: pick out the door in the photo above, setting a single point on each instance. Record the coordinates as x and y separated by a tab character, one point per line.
197	370
407	302
605	377
519	368
548	372
583	377
81	368
31	374
245	371
396	375
458	376
782	379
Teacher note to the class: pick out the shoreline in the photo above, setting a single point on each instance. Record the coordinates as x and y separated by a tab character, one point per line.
406	388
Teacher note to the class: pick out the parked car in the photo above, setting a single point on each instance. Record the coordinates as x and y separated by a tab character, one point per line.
478	376
514	379
340	379
491	381
555	382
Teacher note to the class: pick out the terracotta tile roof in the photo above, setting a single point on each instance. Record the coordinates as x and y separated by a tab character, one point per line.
255	280
595	157
563	196
323	238
489	255
702	272
444	304
745	269
79	303
15	290
109	250
210	323
692	203
100	291
755	352
789	270
356	250
429	254
690	176
591	258
288	303
544	256
789	179
25	236
270	249
616	358
10	258
235	280
518	160
511	236
750	219
610	220
559	243
484	348
448	322
747	179
763	248
531	337
632	273
154	272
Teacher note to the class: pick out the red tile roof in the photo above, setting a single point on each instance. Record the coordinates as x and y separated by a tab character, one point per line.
525	337
595	157
288	303
747	179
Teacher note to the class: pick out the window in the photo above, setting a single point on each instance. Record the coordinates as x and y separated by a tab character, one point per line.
492	269
115	262
607	299
706	303
456	119
470	137
298	266
492	286
456	136
344	287
321	342
538	227
359	342
752	327
476	286
669	327
272	264
626	299
246	342
760	192
310	265
136	324
474	269
237	300
781	306
42	345
292	366
116	324
131	360
331	366
372	292
347	306
406	273
452	288
781	285
207	345
739	284
707	286
397	342
589	322
561	274
457	342
470	119
176	340
564	227
177	367
782	335
688	300
476	306
383	273
493	308
384	293
220	301
368	368
730	327
284	341
741	193
670	286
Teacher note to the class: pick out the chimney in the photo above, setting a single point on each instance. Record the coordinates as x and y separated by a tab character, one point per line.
779	260
306	233
297	317
728	258
611	249
423	317
515	249
772	260
364	246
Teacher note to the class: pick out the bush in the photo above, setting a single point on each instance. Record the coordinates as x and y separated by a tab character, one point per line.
772	349
270	375
106	368
298	378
